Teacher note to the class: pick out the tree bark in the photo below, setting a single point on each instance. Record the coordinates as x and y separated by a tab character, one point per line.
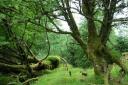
102	59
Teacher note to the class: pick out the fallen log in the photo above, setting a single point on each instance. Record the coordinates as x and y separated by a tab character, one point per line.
50	63
6	68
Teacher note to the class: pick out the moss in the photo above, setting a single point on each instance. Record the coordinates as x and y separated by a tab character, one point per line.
50	63
55	61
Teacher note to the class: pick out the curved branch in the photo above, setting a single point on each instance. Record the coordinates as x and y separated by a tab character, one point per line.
48	48
121	19
50	30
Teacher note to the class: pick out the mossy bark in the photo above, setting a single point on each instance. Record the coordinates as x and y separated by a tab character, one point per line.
46	64
102	59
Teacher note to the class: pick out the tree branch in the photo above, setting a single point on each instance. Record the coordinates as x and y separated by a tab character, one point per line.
109	10
50	30
88	11
121	19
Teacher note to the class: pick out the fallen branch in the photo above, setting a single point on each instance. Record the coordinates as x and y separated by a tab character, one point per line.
29	80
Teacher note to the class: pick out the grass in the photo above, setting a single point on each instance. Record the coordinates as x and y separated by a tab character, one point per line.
61	76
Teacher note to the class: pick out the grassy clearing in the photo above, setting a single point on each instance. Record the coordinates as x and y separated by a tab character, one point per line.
61	76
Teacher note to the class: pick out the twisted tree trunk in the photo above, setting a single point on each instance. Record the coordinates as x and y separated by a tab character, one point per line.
102	59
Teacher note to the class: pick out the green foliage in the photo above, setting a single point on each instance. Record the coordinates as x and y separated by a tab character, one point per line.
7	80
66	47
35	36
76	56
3	41
22	15
122	44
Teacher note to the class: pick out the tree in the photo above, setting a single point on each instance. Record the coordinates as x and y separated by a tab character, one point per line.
45	14
17	36
96	48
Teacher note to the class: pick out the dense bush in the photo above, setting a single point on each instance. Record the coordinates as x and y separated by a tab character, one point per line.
122	44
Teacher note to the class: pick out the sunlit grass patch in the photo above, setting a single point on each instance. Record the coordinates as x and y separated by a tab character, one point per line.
61	76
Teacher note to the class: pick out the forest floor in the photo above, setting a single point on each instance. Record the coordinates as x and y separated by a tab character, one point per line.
62	76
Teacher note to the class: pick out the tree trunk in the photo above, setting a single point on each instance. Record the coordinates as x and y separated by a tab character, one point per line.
99	62
102	59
